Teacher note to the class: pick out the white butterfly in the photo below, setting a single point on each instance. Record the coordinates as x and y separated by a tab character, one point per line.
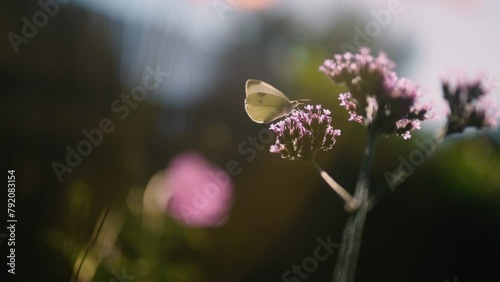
264	103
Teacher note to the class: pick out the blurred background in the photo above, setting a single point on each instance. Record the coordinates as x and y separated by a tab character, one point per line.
71	66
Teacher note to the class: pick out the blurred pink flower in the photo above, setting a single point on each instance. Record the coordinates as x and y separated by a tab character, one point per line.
196	192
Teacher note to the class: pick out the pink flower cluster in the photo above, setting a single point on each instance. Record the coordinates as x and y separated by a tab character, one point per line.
303	132
376	97
469	105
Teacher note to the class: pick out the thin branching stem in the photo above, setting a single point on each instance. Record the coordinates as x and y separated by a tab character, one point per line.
349	200
345	268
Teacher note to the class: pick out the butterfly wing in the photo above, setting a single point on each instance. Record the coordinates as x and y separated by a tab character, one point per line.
264	108
264	103
258	86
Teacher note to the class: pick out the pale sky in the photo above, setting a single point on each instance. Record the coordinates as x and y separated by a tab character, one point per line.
449	35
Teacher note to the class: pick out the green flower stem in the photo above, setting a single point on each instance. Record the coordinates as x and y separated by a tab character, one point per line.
345	268
92	242
350	202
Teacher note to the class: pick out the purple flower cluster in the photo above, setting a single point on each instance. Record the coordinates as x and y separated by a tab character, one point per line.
376	97
469	105
303	132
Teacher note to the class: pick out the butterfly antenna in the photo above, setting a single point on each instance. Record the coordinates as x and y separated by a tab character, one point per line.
302	95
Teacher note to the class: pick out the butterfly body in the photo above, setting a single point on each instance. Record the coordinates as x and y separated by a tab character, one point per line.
264	103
